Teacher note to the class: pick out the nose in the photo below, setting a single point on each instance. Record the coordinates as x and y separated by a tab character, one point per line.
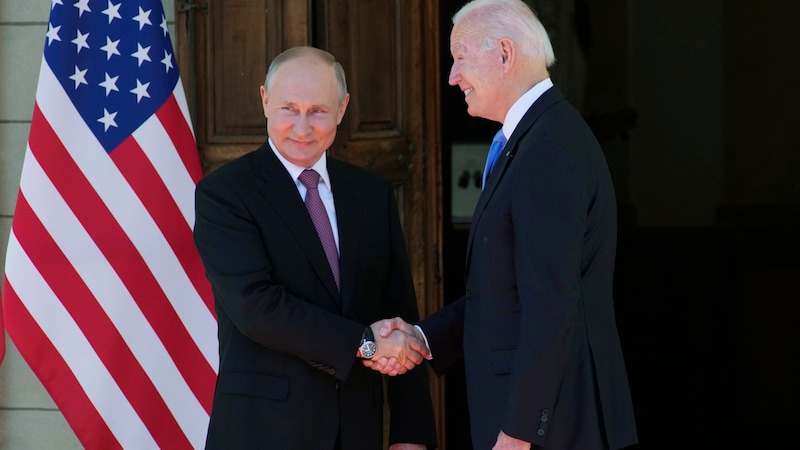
302	125
455	76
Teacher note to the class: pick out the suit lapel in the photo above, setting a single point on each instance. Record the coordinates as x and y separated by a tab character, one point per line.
278	188
548	98
348	213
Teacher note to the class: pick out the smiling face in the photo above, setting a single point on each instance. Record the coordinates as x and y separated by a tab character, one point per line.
303	108
478	72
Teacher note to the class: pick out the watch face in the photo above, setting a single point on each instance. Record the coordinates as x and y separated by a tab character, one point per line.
368	349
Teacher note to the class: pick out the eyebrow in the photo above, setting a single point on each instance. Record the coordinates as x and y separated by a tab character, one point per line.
315	106
458	48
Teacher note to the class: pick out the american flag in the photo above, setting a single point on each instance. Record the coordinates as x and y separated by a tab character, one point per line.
105	295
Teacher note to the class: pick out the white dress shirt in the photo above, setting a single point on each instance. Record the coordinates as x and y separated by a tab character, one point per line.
523	104
325	191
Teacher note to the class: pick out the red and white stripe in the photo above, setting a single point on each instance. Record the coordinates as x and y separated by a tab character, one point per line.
105	295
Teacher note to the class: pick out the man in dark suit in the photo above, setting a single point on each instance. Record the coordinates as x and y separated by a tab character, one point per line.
536	328
292	319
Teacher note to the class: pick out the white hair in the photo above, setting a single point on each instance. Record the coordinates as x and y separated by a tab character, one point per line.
510	19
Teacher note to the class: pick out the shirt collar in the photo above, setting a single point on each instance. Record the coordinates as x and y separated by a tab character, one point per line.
321	166
523	104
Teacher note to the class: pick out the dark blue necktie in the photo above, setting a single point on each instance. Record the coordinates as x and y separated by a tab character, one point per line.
498	143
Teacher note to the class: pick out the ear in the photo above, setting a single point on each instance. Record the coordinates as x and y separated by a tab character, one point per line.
508	53
343	108
263	92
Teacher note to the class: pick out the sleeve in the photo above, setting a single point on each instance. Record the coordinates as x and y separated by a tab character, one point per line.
548	213
444	330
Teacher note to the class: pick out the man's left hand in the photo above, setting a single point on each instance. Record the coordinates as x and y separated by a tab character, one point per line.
506	442
407	447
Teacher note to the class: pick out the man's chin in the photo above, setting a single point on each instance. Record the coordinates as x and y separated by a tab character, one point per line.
302	158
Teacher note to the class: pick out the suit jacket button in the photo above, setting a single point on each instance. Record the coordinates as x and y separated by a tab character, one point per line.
540	432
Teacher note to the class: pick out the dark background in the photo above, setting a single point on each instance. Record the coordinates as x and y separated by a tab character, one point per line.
695	105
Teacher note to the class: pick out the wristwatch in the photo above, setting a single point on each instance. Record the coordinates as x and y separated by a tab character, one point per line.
368	347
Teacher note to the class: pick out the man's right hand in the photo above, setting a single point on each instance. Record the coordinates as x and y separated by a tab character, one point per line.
406	347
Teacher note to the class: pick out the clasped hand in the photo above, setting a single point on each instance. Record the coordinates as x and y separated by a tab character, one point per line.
400	347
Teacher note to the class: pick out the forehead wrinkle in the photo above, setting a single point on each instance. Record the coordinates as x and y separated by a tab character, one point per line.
458	48
463	36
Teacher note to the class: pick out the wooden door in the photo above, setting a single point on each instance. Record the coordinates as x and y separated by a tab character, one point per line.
389	50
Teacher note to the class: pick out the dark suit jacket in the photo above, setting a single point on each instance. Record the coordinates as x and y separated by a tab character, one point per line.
536	326
288	374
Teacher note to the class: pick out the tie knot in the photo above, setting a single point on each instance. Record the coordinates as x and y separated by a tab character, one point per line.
309	178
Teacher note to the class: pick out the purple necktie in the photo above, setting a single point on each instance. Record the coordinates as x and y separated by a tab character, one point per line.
498	143
310	179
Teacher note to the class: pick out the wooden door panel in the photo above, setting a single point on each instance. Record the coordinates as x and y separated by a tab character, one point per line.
241	39
374	65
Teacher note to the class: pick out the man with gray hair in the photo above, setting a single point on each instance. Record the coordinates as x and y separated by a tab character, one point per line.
536	326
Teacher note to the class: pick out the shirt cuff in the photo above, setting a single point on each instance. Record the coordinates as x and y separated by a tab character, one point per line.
425	338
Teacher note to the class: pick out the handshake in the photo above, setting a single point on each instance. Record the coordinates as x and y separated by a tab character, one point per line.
400	347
